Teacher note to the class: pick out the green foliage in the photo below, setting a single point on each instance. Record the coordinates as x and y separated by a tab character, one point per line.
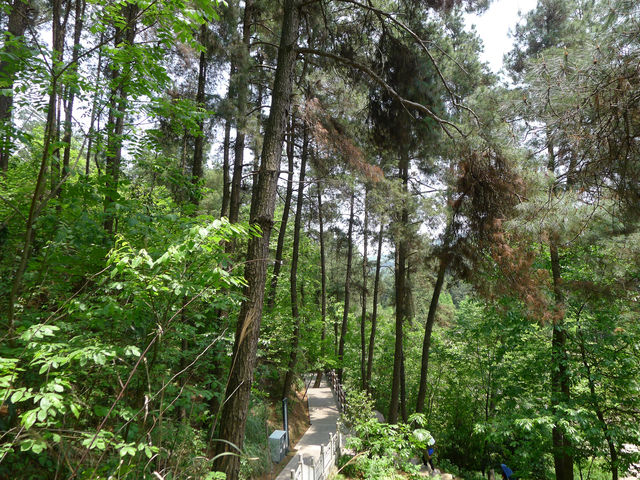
256	457
119	345
109	337
381	448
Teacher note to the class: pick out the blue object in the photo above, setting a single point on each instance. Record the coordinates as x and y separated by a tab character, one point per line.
430	451
506	470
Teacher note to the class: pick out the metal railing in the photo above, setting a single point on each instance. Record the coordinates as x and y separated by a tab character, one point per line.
310	468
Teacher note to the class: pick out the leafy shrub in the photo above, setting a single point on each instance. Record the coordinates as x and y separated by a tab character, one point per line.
105	381
359	406
381	448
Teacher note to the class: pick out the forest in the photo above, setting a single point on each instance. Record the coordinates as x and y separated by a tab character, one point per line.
203	200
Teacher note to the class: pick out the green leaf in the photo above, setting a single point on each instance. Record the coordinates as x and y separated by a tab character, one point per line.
17	396
100	410
38	447
29	418
132	351
128	450
42	414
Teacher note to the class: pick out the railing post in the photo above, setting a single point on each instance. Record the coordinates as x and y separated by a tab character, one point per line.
301	468
313	469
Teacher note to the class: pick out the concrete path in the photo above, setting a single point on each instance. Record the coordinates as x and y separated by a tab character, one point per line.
323	411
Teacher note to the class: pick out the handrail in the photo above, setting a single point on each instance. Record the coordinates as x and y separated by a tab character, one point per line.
321	469
338	390
329	452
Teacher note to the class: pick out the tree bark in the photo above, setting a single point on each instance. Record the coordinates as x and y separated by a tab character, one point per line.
428	329
323	274
17	25
295	311
403	390
241	104
374	312
347	291
238	389
226	183
58	32
363	313
282	232
323	284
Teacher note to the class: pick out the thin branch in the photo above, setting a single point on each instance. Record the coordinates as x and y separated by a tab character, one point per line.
13	207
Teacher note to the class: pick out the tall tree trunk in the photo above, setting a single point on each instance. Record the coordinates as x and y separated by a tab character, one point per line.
9	67
94	111
323	274
58	32
242	65
226	183
117	110
560	390
400	276
374	312
34	209
347	290
323	287
282	232
68	109
403	391
236	179
238	389
363	313
428	329
295	311
400	284
198	150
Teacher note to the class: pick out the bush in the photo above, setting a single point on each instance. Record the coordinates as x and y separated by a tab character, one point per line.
366	467
382	447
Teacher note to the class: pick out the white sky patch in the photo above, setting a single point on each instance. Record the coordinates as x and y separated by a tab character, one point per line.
494	25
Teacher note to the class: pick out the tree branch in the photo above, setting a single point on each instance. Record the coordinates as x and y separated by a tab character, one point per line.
424	48
375	77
